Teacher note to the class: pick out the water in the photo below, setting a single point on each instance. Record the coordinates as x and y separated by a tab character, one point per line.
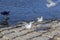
28	10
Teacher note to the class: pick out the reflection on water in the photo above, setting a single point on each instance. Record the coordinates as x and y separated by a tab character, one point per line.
6	18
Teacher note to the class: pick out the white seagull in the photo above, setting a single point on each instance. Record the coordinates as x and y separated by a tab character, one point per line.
51	4
28	25
40	19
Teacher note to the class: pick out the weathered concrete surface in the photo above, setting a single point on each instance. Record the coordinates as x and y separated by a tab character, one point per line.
40	33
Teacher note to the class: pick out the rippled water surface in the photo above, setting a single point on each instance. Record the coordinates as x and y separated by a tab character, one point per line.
28	10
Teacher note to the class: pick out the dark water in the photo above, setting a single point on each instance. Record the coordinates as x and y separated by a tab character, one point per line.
28	10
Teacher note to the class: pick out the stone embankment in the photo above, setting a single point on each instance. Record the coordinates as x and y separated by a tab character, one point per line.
44	31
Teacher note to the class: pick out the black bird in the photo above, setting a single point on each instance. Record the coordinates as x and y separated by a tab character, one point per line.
5	13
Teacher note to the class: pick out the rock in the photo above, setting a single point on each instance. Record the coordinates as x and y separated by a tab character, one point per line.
57	37
41	38
50	34
20	33
2	39
1	35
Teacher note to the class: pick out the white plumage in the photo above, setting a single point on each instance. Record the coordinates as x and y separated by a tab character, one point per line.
28	25
40	19
51	4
